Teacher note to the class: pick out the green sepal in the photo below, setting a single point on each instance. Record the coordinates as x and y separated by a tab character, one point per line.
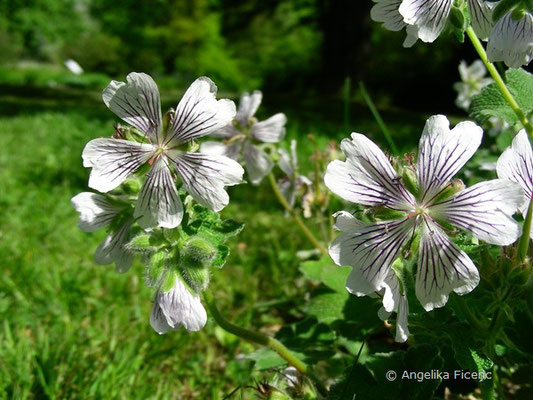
518	13
502	8
410	180
458	19
450	190
141	243
131	186
169	281
381	213
197	278
156	267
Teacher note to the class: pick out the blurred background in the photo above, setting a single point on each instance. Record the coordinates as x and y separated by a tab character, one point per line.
72	329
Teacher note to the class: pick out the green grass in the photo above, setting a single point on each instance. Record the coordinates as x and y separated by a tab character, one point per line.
74	329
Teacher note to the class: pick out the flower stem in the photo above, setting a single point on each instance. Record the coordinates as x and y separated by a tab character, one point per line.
262	339
523	243
499	81
295	216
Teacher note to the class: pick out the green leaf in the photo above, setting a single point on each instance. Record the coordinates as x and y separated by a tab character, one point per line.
266	359
491	103
465	353
222	255
327	306
324	270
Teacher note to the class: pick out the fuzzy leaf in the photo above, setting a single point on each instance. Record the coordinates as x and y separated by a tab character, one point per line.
491	103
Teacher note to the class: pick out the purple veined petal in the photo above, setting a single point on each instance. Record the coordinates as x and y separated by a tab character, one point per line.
429	16
205	176
345	221
271	130
226	132
367	177
137	103
286	187
511	41
112	249
371	250
442	268
113	161
386	11
199	113
481	17
258	163
248	106
95	211
158	203
284	162
442	152
177	307
516	165
485	210
402	328
395	301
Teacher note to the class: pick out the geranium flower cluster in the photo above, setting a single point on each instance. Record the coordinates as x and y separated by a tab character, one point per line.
509	37
420	207
137	172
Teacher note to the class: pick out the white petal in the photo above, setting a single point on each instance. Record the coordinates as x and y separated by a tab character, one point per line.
180	308
158	203
113	161
258	163
386	11
442	268
112	249
226	132
231	150
248	106
345	221
367	177
271	130
429	16
516	165
204	176
512	41
442	152
402	329
284	162
136	102
199	113
95	211
371	250
481	17
485	210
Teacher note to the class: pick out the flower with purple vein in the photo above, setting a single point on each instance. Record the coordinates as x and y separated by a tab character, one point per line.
426	19
164	147
428	210
516	165
240	134
96	212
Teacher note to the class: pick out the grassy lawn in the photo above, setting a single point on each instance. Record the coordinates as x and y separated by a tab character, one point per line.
70	328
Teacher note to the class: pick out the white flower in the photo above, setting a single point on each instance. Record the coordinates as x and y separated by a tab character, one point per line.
472	81
203	176
239	135
176	308
294	182
426	19
390	289
511	41
97	212
484	210
516	165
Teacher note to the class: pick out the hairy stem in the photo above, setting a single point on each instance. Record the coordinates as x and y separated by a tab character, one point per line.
295	216
262	339
499	81
523	244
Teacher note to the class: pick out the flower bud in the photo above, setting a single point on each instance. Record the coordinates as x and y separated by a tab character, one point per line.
195	259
